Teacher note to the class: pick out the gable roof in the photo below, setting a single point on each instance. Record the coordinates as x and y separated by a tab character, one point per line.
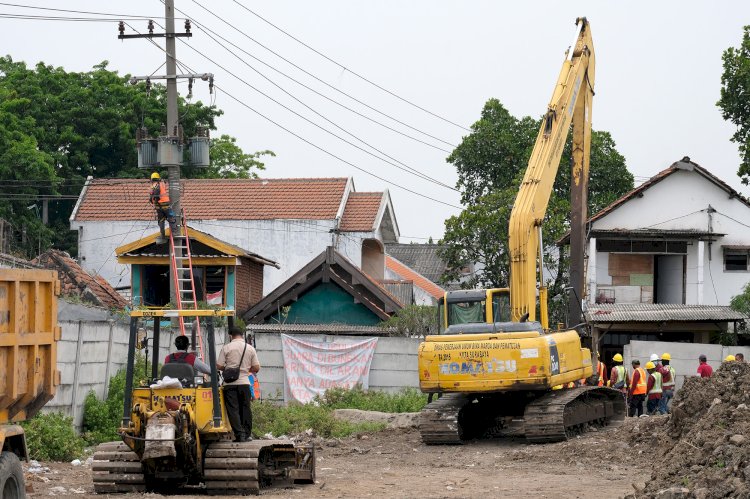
418	279
147	246
76	281
361	211
422	258
661	312
218	199
685	164
329	266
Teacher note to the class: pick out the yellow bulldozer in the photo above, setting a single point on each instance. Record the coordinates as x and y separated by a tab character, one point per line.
494	364
181	437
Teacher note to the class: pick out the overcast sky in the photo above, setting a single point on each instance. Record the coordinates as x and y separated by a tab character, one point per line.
657	78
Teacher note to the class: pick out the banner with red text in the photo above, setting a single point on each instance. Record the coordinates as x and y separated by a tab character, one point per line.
312	367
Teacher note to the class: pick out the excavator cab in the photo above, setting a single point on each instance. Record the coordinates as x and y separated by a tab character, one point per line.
475	306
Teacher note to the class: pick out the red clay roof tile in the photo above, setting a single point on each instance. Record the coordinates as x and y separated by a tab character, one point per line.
360	211
222	199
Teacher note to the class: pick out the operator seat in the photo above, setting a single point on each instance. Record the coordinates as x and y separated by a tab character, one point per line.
179	370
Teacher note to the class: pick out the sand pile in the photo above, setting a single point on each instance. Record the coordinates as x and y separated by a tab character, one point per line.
703	449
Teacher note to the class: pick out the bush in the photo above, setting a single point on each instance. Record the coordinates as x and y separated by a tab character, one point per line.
407	400
51	437
414	320
296	418
102	418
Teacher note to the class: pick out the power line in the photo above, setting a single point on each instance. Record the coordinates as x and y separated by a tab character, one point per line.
408	169
311	75
349	70
321	81
36	7
329	153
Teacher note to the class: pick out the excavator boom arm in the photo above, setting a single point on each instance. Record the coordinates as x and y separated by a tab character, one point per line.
570	104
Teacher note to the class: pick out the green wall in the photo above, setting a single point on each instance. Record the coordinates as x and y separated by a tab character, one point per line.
327	303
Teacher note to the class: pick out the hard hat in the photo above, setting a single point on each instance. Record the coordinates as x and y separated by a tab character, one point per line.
654	357
729	358
650	365
155	176
617	357
666	356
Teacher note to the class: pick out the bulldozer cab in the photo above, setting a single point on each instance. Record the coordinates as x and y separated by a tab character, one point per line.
483	306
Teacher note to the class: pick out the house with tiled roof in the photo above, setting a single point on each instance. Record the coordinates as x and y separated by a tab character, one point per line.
665	259
423	290
287	221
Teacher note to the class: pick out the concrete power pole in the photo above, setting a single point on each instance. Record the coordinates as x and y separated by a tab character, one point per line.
167	151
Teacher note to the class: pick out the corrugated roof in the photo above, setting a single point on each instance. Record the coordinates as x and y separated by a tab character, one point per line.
342	329
219	199
658	312
403	291
418	279
422	258
361	211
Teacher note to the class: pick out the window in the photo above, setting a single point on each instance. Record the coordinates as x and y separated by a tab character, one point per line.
735	260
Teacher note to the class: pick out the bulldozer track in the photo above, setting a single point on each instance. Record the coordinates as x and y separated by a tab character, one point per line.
439	420
238	468
556	415
117	469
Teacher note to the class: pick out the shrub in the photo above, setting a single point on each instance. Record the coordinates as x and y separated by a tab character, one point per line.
414	320
51	437
407	400
296	418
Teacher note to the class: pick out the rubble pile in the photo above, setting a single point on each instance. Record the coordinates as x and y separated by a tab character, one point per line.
703	449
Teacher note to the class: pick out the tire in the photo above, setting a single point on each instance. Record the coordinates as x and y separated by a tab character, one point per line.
11	477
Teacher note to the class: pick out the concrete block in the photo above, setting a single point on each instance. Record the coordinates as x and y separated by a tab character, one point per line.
398	346
391	378
393	362
94	350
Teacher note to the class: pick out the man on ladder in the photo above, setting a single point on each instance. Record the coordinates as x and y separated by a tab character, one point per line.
162	204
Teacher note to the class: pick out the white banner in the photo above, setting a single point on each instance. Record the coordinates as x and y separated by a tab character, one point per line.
312	367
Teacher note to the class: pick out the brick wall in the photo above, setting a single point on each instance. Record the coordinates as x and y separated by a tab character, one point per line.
249	285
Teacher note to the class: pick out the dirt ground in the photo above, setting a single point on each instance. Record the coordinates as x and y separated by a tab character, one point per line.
395	463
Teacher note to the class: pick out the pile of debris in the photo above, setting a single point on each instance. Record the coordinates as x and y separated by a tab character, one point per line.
703	449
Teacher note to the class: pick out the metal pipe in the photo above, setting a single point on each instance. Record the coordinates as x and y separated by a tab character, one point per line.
155	345
128	402
214	373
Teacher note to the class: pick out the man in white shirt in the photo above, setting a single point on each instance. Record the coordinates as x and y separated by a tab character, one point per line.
237	393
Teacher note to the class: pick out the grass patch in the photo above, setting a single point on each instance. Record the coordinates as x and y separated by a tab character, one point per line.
51	437
296	418
407	400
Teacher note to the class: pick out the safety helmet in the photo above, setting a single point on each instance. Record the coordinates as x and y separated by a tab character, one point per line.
666	356
729	358
617	357
650	365
654	357
155	176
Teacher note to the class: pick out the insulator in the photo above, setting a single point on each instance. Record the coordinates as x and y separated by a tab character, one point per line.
121	28
187	25
150	27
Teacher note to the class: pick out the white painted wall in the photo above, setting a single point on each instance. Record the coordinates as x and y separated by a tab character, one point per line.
291	243
394	365
675	204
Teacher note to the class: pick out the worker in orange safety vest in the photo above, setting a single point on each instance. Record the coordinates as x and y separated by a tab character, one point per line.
162	204
637	390
601	371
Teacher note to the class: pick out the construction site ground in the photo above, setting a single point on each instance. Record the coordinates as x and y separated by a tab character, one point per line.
395	463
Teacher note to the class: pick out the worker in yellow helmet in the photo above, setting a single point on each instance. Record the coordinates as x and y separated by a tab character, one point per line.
162	204
618	376
668	382
729	358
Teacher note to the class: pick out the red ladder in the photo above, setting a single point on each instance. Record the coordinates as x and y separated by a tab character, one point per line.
182	275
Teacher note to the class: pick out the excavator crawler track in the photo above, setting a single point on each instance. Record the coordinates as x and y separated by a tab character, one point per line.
439	420
558	414
240	468
117	469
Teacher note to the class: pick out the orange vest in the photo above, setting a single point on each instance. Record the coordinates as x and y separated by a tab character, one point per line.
256	388
163	193
640	388
600	369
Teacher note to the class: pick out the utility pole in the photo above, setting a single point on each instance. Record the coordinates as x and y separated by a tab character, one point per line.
167	151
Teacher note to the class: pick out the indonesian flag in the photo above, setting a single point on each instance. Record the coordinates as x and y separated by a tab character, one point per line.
215	298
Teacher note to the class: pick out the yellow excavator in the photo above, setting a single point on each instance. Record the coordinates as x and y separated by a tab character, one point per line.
494	364
174	437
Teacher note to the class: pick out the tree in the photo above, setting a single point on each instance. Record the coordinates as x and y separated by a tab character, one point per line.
491	162
83	124
735	95
414	320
